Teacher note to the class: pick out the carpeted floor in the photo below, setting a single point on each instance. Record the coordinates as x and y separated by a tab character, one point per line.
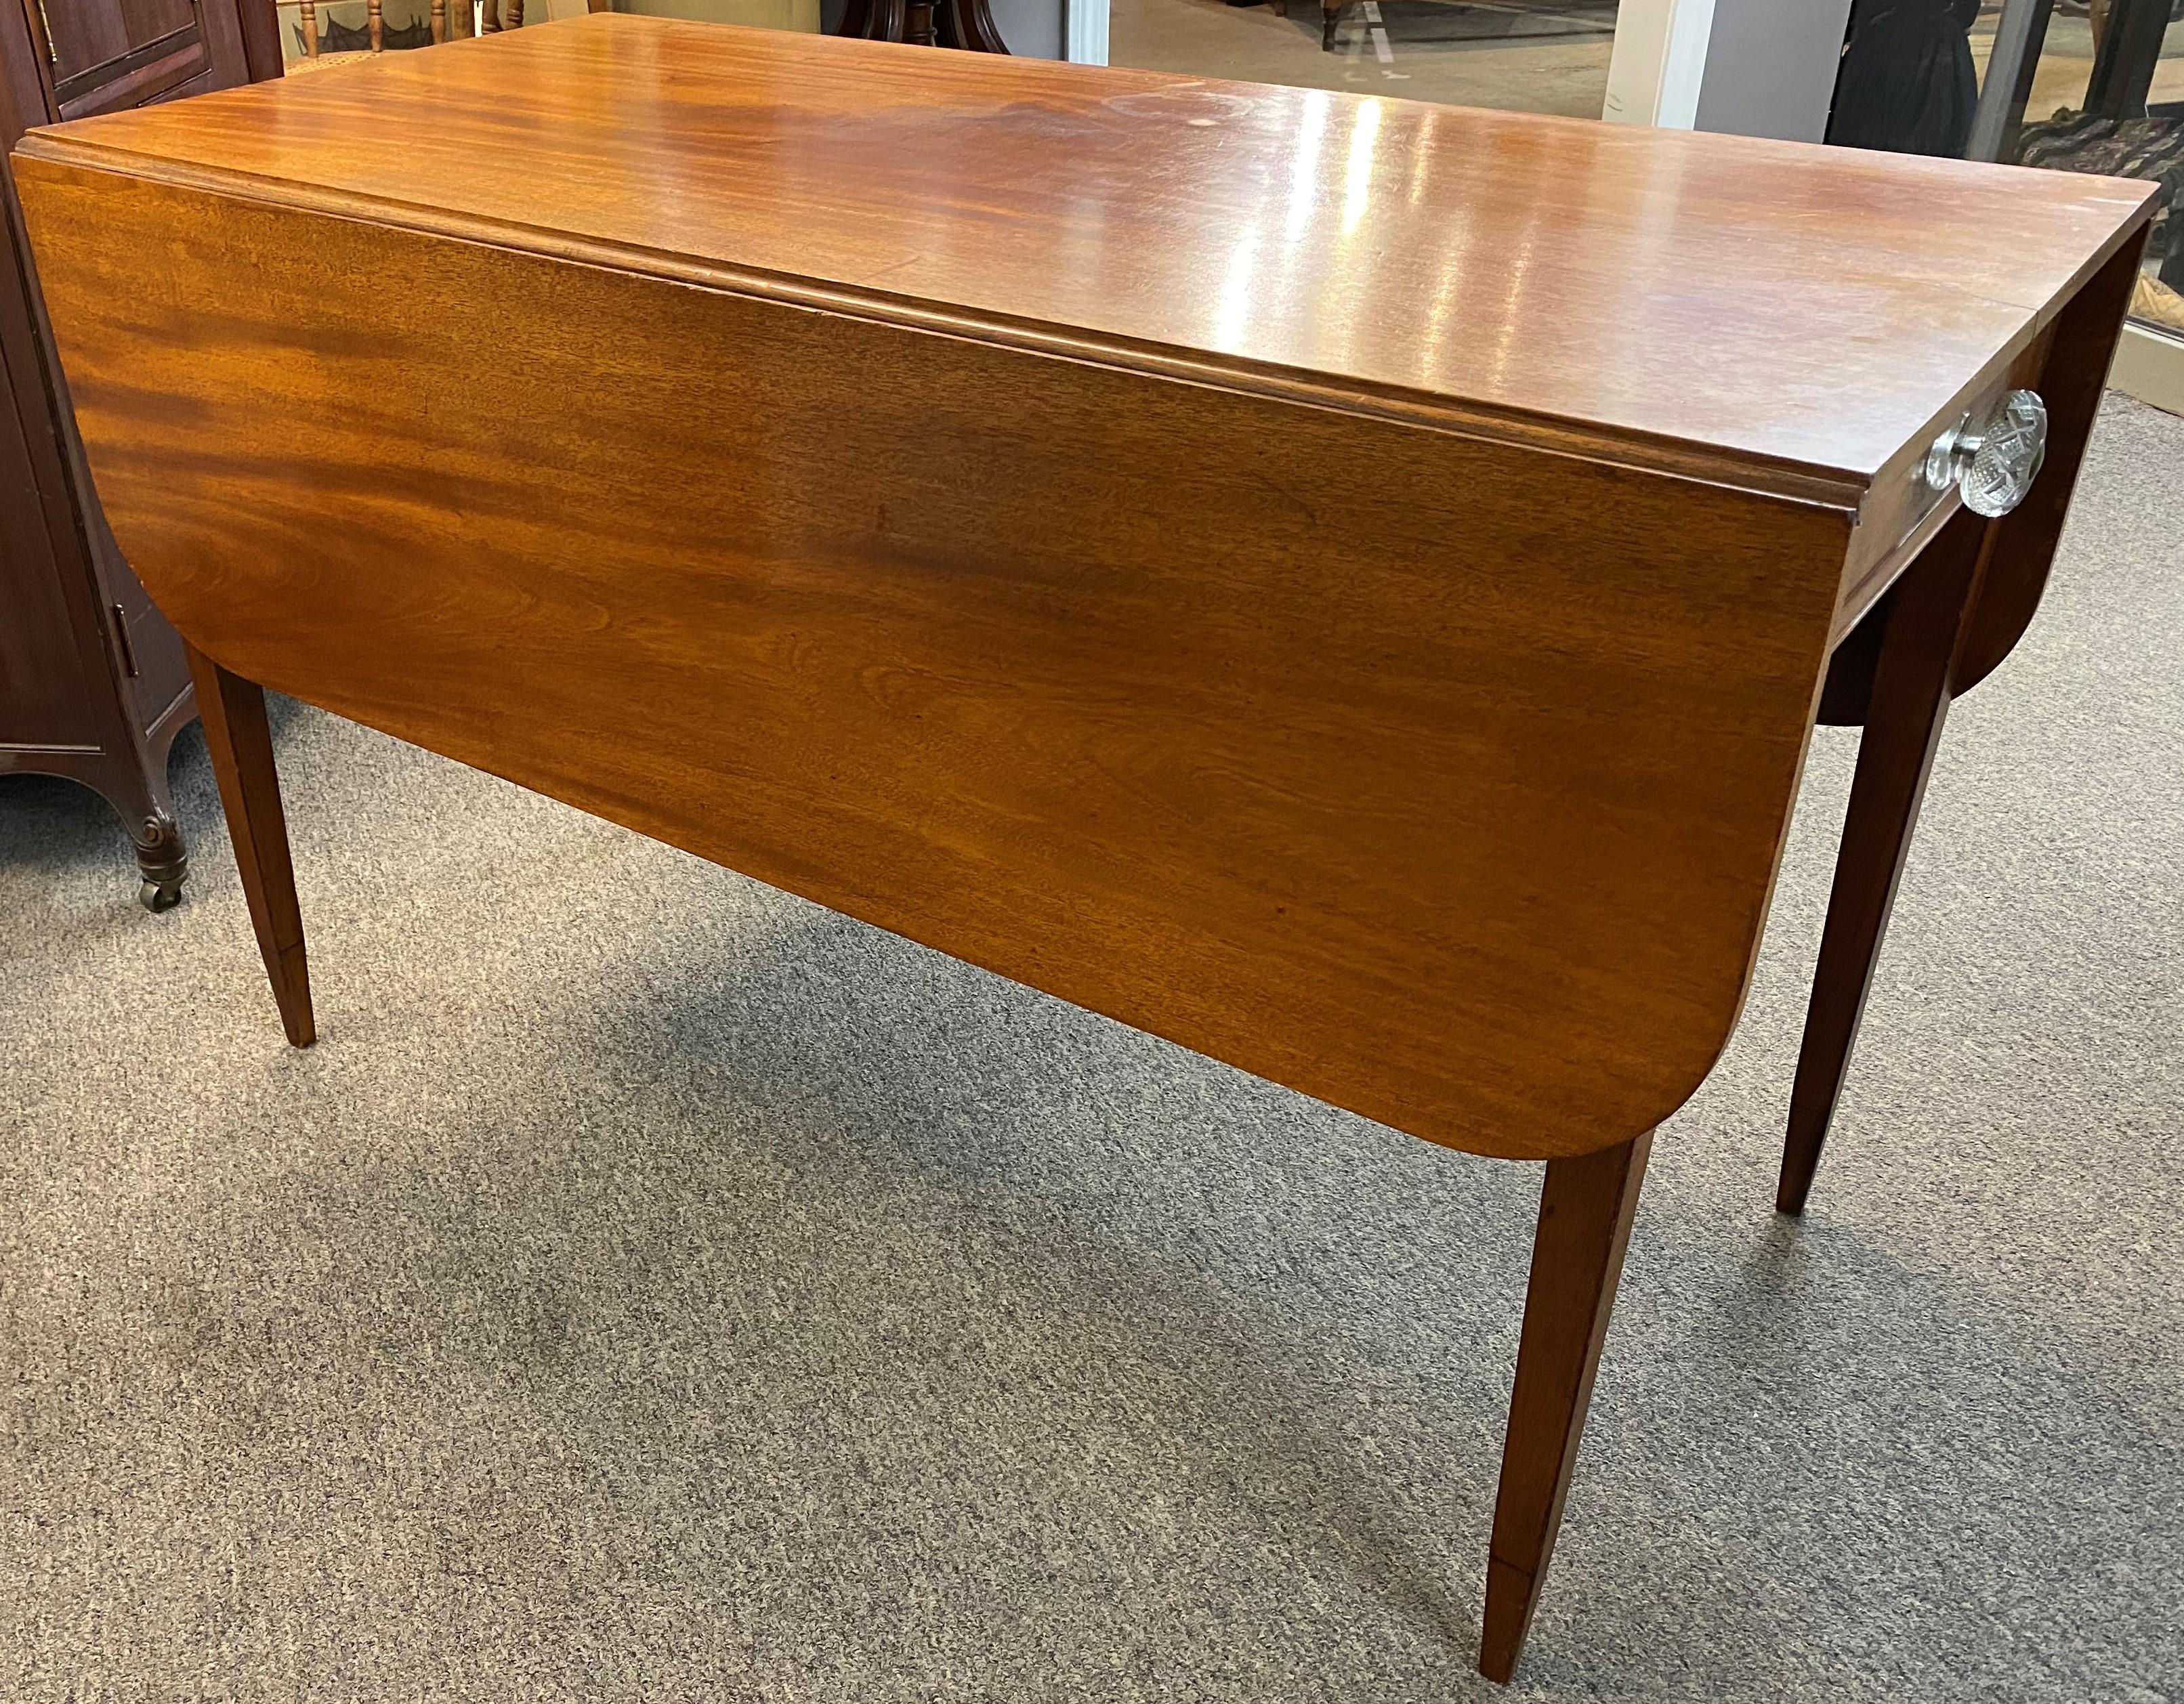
652	1287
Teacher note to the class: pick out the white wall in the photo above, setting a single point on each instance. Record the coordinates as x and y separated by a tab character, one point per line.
1770	68
1032	28
1754	67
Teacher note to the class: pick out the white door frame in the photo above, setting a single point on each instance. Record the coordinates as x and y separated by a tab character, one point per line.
1084	31
1659	62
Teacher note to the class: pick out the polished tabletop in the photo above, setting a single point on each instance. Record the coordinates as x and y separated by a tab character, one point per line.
1786	308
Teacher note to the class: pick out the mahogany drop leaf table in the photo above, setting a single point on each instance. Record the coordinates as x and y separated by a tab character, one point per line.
864	484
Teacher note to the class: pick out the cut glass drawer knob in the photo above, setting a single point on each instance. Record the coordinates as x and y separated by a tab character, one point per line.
1992	457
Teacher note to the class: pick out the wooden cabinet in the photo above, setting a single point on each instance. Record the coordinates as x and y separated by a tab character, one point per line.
92	682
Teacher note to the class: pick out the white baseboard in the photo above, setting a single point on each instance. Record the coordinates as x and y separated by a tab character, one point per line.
2149	364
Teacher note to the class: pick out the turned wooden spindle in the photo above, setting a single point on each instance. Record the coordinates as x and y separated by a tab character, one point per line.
378	24
310	29
439	21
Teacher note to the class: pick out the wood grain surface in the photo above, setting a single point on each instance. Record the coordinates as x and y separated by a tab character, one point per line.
1450	793
1760	310
1922	645
1460	810
239	743
1586	1207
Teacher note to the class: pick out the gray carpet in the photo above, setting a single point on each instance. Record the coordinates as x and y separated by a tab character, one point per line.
653	1287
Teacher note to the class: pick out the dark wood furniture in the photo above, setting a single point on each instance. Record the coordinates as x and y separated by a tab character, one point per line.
93	682
967	23
1456	801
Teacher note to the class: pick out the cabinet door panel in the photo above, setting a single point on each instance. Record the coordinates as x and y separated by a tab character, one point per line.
72	614
44	697
82	38
154	648
102	55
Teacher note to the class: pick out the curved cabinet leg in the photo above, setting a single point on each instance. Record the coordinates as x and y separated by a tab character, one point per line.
157	837
233	710
132	778
161	858
135	783
1585	1209
1912	682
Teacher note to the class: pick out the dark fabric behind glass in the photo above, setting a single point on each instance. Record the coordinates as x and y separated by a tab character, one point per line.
1907	83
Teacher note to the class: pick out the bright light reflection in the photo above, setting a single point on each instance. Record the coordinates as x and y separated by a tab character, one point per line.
1515	286
1364	137
1422	155
1233	312
1304	165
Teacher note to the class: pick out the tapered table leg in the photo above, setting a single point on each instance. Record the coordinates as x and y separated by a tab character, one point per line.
242	747
1585	1209
1912	682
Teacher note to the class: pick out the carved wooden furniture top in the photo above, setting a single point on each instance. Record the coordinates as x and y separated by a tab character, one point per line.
1683	298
